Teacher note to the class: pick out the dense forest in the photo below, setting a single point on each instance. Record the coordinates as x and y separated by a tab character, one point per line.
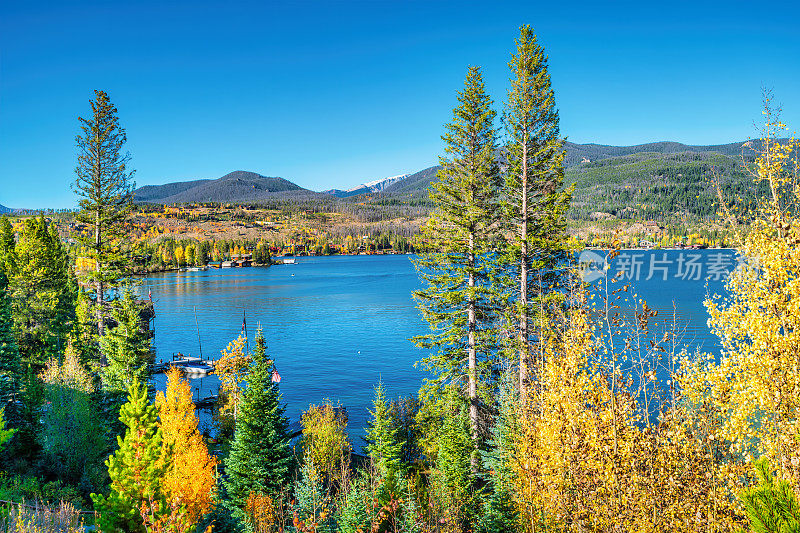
549	407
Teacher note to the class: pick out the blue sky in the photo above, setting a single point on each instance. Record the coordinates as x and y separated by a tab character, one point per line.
330	94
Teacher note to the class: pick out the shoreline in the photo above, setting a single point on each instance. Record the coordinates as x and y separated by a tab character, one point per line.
281	257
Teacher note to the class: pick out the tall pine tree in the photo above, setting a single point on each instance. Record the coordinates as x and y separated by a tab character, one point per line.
260	458
533	199
104	184
458	261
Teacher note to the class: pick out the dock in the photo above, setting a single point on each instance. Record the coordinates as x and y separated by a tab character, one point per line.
205	403
193	367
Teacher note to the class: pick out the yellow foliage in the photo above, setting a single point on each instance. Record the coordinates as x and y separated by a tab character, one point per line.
589	455
191	480
260	513
325	442
70	372
755	386
232	369
616	437
180	257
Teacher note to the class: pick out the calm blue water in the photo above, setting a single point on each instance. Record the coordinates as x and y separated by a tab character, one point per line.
336	325
675	283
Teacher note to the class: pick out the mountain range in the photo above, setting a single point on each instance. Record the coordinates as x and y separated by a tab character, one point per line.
237	186
378	185
4	210
243	186
578	153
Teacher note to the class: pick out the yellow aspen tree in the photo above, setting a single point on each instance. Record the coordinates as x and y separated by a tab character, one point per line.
325	442
180	256
232	369
190	481
603	444
755	385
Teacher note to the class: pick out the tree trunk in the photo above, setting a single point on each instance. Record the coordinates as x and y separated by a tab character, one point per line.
523	277
471	351
100	299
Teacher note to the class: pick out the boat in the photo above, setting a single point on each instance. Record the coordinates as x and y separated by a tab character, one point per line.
289	261
193	367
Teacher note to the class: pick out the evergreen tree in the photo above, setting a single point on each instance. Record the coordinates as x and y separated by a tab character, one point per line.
104	185
260	459
353	514
458	263
126	346
5	434
7	244
383	446
452	477
533	199
84	330
312	507
9	354
499	511
10	364
42	292
771	506
136	468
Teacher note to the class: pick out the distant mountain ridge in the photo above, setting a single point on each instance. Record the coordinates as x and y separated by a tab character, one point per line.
579	155
237	186
576	153
243	186
4	210
365	188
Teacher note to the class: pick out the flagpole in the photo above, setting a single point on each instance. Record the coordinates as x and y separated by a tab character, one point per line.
198	333
244	326
153	319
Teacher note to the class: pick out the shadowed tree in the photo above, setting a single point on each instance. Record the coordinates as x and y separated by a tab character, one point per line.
260	458
42	292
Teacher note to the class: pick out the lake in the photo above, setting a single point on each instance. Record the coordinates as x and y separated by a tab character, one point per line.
337	325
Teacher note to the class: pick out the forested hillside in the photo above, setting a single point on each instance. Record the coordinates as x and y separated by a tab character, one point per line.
576	153
238	186
656	186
